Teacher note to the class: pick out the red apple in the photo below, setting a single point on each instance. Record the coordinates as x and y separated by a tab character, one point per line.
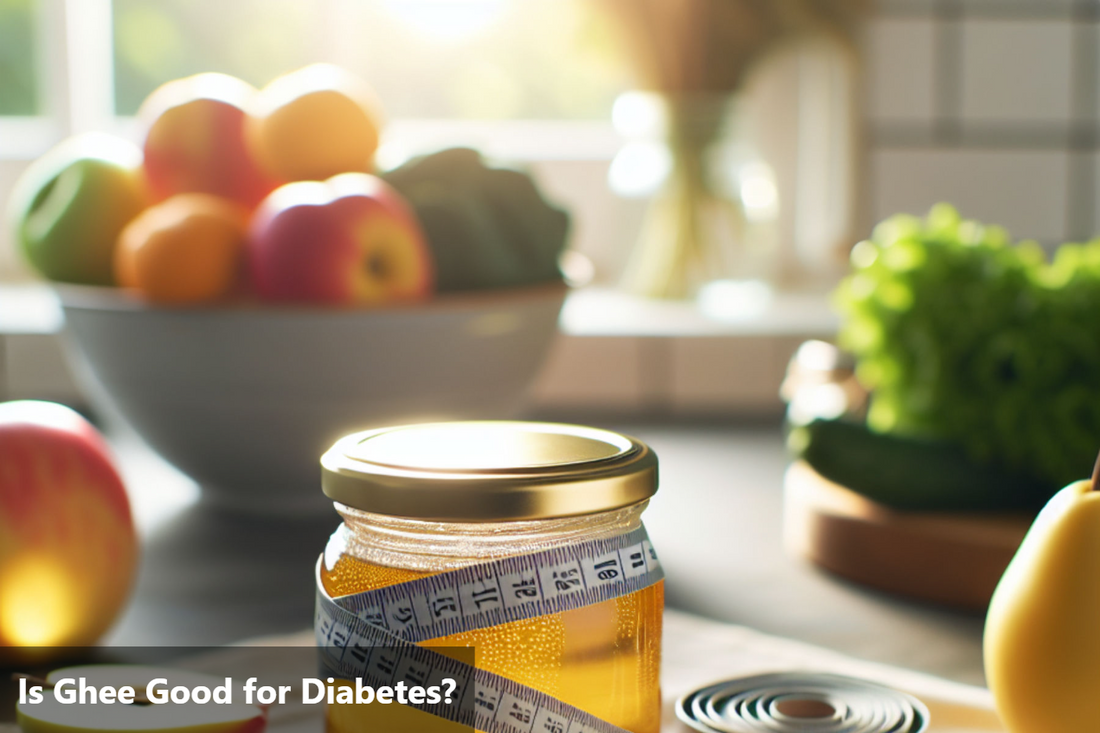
195	140
68	550
349	240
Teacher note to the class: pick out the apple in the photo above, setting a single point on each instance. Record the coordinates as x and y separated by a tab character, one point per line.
69	206
53	716
314	123
68	549
194	140
349	240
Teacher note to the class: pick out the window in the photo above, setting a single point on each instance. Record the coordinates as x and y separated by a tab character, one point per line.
468	59
159	40
18	62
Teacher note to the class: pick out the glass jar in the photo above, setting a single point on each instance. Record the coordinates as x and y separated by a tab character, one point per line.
421	500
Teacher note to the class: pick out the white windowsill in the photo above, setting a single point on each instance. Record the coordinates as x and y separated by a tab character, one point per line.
22	139
597	311
30	308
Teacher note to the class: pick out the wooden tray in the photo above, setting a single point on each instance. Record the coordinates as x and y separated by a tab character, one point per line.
949	559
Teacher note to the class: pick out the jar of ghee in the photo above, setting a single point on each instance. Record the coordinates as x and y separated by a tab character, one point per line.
424	499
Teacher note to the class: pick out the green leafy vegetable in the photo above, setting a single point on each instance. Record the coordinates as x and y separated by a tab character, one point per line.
964	335
487	227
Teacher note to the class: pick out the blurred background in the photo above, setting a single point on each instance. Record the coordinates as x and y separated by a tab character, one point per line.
990	105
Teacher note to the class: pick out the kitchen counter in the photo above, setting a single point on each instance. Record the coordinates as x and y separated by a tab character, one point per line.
212	577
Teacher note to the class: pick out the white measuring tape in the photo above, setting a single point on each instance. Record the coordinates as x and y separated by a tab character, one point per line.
796	701
373	635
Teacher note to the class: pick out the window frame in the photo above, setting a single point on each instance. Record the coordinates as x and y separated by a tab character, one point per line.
74	42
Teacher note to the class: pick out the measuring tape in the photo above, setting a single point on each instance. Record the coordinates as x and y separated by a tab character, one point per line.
792	702
373	635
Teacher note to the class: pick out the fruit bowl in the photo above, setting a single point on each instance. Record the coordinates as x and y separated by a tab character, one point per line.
245	399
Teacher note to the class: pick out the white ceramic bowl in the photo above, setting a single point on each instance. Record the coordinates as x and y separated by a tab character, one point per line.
246	399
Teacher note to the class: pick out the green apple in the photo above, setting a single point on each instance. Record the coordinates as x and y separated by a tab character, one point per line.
68	207
51	715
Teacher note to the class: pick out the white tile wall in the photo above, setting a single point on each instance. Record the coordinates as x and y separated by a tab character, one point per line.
570	379
1018	7
1022	190
907	6
1016	70
711	375
1015	92
900	70
1093	35
34	366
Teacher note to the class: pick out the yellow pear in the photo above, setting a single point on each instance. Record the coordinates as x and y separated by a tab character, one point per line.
1042	634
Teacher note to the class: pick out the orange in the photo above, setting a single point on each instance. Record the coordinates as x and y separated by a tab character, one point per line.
313	124
186	249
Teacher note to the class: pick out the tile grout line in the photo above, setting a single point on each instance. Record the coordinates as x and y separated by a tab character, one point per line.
948	73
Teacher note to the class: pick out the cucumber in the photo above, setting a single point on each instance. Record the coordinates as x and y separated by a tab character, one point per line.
913	474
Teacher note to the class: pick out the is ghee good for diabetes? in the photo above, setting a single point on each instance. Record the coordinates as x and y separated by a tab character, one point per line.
425	499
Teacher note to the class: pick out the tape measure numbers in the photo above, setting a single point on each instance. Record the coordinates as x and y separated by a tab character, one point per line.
373	634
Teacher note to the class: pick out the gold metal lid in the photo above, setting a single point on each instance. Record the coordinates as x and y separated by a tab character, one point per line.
488	471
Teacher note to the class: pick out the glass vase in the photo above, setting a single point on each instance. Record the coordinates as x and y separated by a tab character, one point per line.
713	215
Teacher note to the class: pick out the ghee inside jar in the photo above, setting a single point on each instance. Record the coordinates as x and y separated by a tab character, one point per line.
425	499
603	658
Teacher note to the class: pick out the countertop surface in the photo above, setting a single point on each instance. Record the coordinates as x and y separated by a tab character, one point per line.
211	577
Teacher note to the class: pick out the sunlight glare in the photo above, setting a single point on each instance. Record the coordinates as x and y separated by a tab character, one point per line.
36	604
734	300
639	169
637	115
448	20
758	191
